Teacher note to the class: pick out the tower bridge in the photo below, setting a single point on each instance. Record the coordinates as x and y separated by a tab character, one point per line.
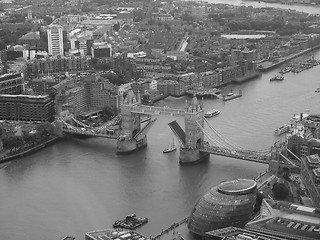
196	143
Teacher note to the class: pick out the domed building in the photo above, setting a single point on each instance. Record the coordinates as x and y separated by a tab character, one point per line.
231	203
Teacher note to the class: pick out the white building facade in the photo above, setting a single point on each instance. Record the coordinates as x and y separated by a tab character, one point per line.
55	40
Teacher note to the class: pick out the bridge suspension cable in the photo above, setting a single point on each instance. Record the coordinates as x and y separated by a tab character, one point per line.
223	138
218	144
233	145
288	160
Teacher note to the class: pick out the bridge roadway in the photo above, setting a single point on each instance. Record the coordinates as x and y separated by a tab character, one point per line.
253	157
90	133
144	109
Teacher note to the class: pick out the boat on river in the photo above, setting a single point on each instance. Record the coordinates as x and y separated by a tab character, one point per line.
277	77
130	222
171	147
211	113
231	96
285	70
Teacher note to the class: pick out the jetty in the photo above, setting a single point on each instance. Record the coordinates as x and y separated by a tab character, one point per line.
205	93
171	232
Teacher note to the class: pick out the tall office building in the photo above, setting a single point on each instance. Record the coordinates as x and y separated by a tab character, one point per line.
55	40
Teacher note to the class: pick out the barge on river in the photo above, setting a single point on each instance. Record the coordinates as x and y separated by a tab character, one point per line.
231	96
130	222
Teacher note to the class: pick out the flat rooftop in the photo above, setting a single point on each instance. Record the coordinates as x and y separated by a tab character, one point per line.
238	186
114	234
314	159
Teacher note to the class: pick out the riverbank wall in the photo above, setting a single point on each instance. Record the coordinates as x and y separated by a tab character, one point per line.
247	77
28	151
269	66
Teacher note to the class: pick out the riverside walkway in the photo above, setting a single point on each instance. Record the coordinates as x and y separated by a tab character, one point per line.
171	233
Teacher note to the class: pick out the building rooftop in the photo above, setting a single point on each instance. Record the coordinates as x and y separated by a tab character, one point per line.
101	21
313	159
238	186
114	234
24	96
316	172
286	218
31	36
44	79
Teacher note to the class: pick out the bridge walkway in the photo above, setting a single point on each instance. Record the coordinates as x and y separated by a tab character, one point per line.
253	157
152	110
90	133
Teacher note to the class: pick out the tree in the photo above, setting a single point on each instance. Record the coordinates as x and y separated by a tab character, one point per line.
8	142
1	132
280	191
13	142
44	129
167	27
107	113
47	19
116	27
31	138
2	45
1	138
18	142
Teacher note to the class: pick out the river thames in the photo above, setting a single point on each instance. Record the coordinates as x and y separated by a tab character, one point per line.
260	4
79	185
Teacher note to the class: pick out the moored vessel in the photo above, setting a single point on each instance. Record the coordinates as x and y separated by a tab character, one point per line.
285	70
283	129
211	113
317	90
277	77
130	222
231	96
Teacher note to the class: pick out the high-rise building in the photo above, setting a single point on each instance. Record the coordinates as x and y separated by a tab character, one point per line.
55	40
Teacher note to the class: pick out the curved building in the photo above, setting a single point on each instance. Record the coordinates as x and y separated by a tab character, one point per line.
231	203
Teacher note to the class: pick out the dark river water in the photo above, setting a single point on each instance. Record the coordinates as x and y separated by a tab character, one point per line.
80	185
260	4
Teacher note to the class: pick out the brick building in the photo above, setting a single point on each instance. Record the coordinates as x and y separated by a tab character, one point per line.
26	108
11	83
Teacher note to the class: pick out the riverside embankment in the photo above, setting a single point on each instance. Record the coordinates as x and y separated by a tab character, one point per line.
266	65
8	156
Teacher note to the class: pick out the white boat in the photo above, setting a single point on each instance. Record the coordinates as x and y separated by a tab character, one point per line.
211	113
171	146
298	117
317	90
278	77
283	129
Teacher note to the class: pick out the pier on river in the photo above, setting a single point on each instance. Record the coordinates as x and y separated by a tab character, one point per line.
171	233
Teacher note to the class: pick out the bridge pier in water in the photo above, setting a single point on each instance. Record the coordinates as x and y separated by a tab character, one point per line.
194	137
130	126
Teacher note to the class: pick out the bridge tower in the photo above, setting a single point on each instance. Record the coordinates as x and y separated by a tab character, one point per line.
130	126
194	136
